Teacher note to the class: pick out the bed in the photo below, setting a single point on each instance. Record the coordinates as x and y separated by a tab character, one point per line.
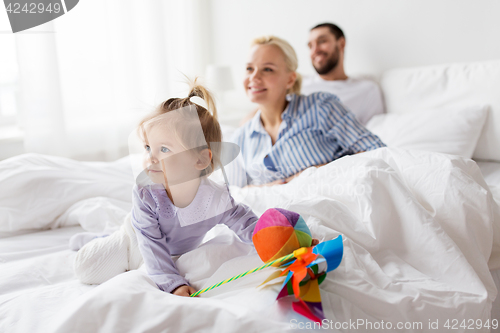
420	221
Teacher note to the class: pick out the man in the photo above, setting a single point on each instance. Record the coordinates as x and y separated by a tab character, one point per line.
326	45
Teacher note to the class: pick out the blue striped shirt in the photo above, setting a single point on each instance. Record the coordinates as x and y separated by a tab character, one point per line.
315	129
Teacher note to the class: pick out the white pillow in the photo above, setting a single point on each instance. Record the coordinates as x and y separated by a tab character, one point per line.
448	131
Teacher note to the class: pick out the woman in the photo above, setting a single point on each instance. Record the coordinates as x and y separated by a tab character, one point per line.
290	132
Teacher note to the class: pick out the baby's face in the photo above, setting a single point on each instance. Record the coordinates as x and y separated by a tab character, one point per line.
166	161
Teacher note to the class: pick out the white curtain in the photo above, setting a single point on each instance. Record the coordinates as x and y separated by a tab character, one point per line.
88	76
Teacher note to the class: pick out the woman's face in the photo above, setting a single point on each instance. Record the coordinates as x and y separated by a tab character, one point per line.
267	78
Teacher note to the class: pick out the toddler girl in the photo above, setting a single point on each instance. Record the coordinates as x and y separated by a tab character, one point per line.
174	203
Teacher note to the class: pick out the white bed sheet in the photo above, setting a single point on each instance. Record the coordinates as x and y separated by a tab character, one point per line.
36	279
491	174
411	254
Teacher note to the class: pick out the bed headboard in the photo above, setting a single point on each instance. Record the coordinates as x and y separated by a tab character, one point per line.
423	88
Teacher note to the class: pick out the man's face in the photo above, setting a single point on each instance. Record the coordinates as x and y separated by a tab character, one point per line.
324	50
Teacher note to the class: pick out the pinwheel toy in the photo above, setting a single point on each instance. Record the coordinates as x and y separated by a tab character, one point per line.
282	239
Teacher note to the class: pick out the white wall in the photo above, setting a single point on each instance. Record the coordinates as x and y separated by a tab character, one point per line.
95	73
381	34
134	51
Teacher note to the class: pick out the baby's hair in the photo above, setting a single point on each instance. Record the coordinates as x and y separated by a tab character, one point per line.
208	119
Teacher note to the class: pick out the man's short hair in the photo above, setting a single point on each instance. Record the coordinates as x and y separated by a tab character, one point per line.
334	29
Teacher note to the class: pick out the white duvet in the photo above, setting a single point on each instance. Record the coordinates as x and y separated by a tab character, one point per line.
419	230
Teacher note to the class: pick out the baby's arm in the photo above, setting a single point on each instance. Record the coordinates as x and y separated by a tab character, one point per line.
152	242
184	290
241	219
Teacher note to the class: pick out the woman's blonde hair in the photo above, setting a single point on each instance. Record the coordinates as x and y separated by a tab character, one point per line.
290	58
187	136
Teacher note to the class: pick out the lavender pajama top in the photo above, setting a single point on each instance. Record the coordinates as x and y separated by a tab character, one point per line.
164	230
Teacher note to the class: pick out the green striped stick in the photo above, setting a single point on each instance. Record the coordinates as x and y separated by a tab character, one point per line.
277	261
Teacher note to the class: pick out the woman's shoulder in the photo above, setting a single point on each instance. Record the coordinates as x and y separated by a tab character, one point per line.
318	102
319	97
239	133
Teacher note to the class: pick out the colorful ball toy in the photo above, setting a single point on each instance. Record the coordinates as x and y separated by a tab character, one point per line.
279	232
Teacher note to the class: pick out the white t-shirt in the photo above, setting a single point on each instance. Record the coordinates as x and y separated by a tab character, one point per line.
362	97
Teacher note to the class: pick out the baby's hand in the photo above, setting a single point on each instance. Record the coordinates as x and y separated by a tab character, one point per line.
315	242
184	291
